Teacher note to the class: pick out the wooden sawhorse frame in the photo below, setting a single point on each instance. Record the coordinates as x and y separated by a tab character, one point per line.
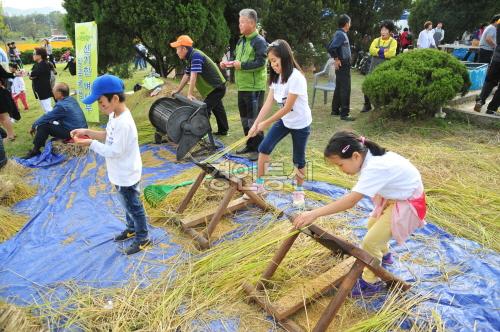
212	217
344	274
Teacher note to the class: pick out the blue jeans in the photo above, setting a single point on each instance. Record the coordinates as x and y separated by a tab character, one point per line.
135	215
299	140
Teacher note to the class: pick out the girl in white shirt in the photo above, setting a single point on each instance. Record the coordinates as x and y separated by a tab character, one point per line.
18	89
288	87
426	37
394	185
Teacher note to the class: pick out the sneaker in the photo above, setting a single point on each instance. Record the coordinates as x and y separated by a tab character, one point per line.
366	108
478	106
365	289
491	112
137	246
259	190
253	156
246	149
347	118
387	259
124	236
220	133
31	154
298	198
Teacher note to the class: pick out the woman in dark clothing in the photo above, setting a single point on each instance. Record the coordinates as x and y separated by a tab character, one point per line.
8	109
40	76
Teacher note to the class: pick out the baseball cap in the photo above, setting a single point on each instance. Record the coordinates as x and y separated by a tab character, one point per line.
102	85
183	40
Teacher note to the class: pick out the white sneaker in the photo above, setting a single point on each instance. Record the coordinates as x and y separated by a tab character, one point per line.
298	198
257	188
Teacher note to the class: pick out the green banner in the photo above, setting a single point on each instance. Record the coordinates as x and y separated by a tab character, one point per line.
86	65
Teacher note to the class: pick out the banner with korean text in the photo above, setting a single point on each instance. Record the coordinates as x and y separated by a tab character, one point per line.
86	65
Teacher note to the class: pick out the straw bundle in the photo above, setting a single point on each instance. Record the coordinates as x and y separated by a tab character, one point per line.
14	187
10	223
69	149
16	319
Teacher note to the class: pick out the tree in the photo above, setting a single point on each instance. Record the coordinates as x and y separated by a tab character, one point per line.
154	23
306	25
452	14
4	30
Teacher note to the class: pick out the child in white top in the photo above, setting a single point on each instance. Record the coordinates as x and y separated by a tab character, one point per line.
288	88
395	187
123	158
18	89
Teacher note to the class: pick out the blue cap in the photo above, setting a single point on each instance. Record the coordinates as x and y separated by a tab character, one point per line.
102	85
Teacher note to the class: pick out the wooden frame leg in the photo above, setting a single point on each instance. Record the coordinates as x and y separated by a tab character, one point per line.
276	260
191	192
220	211
344	289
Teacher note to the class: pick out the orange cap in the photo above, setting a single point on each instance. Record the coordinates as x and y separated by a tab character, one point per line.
183	40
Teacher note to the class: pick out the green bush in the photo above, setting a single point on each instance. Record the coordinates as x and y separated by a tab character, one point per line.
416	83
27	56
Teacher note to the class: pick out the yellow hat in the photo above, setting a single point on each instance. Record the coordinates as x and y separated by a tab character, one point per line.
183	40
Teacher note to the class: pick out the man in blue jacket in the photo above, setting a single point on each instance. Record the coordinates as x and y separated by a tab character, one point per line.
64	117
340	50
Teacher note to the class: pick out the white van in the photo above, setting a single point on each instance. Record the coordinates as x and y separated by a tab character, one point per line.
58	38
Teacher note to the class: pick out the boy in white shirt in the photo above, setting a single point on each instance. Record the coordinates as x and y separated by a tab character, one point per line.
123	158
18	89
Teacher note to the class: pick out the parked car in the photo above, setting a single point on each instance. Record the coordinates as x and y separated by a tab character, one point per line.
58	38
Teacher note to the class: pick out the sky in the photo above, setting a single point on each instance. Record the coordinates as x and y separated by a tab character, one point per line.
28	4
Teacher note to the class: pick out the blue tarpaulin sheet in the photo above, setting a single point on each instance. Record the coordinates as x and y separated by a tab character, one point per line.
76	213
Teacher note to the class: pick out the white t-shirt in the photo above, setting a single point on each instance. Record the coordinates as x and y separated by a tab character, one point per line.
300	115
121	150
390	175
490	31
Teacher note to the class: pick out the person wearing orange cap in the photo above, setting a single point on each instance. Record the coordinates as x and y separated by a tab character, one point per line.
201	72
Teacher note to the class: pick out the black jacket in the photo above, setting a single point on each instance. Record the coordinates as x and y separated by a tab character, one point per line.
7	104
41	80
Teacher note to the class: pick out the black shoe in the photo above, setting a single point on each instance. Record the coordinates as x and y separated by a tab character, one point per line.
253	156
347	118
246	149
335	113
124	236
137	246
491	112
366	108
31	154
219	133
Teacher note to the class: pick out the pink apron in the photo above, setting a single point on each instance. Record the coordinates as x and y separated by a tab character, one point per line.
407	215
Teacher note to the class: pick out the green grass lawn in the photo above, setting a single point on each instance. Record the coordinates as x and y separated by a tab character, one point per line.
460	163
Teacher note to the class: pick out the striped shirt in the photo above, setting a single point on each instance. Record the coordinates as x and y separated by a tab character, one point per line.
196	65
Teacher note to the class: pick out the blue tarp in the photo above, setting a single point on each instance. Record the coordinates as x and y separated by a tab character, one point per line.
75	214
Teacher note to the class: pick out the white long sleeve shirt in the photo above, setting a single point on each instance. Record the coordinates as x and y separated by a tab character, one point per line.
17	85
121	150
426	39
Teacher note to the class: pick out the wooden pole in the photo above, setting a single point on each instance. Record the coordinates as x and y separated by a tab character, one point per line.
220	211
277	259
191	192
344	290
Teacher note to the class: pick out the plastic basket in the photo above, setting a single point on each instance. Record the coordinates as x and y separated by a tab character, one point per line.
477	74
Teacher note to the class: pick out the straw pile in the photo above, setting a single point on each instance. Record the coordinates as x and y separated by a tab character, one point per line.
16	319
14	188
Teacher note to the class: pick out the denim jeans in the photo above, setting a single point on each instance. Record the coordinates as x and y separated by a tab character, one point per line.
299	141
135	215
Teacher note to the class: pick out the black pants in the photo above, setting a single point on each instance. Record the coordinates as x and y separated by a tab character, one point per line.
492	79
484	56
215	105
249	105
45	130
342	94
